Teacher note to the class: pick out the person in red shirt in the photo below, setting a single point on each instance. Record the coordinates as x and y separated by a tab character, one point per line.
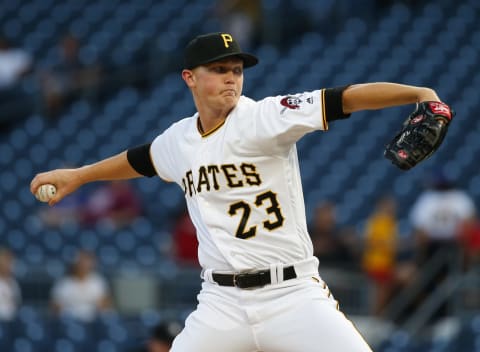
115	201
185	241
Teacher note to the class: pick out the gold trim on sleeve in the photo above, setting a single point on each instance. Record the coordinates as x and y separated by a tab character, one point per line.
324	113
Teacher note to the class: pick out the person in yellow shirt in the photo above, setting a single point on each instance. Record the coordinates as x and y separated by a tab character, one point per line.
379	256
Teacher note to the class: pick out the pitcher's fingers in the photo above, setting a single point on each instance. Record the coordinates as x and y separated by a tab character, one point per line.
56	198
41	179
34	184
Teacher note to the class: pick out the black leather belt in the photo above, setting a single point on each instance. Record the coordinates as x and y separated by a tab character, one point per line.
251	280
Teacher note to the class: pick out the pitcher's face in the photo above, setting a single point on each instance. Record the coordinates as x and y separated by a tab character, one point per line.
218	84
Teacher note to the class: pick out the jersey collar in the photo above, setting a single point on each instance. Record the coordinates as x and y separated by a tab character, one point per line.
211	131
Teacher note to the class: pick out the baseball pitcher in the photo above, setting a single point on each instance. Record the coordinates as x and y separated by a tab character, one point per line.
236	162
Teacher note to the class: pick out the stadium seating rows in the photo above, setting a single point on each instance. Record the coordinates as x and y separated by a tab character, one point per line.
466	339
32	331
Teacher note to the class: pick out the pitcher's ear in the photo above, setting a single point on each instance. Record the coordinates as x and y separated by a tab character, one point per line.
188	77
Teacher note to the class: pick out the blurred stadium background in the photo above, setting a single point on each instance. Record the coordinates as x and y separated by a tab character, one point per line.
302	45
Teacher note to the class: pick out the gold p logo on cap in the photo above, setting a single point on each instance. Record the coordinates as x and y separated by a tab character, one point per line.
227	38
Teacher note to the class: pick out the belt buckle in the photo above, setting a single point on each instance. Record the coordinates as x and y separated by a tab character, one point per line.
236	277
238	283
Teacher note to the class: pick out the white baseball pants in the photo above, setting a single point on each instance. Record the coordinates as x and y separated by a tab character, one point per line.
298	315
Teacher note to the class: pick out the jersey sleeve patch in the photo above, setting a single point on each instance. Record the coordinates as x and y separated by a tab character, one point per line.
294	102
306	103
291	102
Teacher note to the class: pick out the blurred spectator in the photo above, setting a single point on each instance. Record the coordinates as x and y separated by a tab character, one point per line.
332	245
15	64
68	211
437	215
115	202
162	337
242	19
379	256
69	78
83	293
10	296
470	241
185	241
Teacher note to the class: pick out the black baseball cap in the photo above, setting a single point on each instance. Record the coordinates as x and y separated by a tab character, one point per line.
211	47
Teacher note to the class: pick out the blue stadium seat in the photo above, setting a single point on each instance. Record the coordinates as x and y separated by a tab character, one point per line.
22	344
15	239
146	255
125	242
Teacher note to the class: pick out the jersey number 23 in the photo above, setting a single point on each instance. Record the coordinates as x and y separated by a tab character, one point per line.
274	219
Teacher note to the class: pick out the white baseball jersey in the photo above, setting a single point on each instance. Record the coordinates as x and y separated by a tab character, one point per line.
242	182
10	298
439	213
79	298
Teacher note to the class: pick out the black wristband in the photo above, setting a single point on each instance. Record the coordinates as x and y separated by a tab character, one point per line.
333	104
139	159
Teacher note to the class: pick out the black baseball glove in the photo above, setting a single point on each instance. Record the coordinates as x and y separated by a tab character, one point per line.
421	135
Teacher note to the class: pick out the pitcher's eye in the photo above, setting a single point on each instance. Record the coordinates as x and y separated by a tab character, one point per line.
237	70
225	69
219	69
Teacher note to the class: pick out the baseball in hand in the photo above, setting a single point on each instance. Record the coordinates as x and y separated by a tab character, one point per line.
45	192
